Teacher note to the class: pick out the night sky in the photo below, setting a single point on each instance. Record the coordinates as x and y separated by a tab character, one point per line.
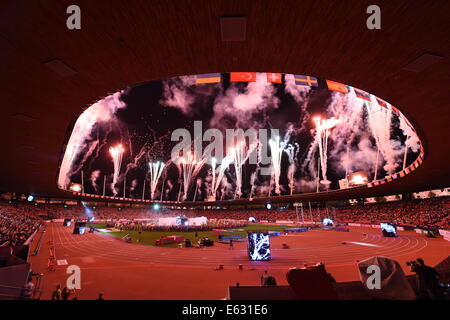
144	127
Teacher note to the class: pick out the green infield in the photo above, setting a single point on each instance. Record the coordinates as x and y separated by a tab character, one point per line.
150	237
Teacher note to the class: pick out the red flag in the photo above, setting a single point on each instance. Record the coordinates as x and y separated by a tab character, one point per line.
242	76
336	86
382	103
274	77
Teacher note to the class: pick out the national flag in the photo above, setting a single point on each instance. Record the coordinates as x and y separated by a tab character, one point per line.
420	160
336	86
376	183
416	164
242	76
394	176
411	168
407	170
370	185
305	80
381	103
207	78
382	181
362	94
402	174
274	77
395	110
389	179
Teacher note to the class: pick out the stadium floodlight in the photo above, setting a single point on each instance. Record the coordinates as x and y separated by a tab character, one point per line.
268	206
156	206
30	198
357	178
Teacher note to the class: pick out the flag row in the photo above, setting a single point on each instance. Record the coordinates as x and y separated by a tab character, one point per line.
300	80
400	174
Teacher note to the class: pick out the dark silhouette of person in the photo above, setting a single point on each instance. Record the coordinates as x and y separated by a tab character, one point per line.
57	294
426	280
65	293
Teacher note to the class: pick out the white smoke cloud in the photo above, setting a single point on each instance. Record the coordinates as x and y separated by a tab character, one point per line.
181	93
380	123
133	185
350	110
305	185
412	140
300	95
176	94
94	176
243	104
100	112
168	189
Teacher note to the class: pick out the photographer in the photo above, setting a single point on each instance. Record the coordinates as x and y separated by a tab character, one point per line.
426	280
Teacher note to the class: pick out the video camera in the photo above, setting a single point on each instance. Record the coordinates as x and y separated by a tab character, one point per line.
411	263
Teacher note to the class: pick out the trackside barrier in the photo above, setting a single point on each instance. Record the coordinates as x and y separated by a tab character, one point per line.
39	244
445	234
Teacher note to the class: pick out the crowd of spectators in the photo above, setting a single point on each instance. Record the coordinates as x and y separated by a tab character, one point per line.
17	224
432	212
19	221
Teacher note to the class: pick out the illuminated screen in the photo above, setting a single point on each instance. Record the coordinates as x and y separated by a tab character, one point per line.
181	221
79	227
388	227
258	246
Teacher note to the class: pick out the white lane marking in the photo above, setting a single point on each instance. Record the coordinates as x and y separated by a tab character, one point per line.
363	244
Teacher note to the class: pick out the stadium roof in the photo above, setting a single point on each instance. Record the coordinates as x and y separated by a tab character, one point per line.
49	72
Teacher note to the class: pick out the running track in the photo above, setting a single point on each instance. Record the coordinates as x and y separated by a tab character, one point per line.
309	247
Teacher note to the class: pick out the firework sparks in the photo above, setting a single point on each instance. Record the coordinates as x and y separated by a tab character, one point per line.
156	169
323	127
380	119
240	153
116	154
189	168
276	149
218	172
